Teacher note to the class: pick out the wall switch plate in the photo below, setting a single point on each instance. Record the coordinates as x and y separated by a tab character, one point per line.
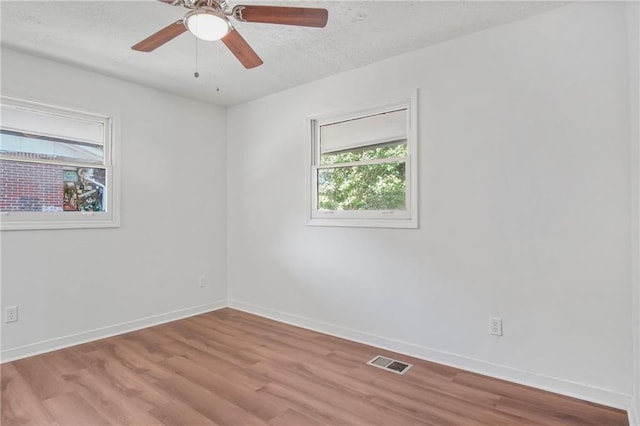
495	326
201	282
11	314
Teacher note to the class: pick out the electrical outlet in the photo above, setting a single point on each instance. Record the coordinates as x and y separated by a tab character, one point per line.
495	326
11	314
201	282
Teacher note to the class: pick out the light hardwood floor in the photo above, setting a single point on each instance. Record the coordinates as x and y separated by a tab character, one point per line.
232	368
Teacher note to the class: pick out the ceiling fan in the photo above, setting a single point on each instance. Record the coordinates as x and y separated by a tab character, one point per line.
209	20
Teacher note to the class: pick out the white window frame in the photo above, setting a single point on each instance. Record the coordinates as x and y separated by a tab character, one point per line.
379	218
69	219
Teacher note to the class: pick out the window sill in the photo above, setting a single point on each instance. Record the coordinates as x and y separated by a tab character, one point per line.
365	223
81	221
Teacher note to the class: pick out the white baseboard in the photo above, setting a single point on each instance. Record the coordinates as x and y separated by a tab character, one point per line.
552	384
103	332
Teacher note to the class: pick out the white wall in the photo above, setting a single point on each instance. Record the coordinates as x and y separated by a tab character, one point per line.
524	210
73	285
633	33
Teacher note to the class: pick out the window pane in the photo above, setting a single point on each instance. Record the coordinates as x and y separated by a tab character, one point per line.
366	187
29	187
388	150
84	189
44	148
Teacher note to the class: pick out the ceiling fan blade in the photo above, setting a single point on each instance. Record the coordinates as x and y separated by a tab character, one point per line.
241	49
303	16
161	37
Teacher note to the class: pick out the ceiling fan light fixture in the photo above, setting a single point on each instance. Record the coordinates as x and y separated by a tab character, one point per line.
207	23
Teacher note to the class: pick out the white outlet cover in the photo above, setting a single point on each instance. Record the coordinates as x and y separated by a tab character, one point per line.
11	314
495	326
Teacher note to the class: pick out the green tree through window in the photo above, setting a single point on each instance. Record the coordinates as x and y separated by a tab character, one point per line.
377	184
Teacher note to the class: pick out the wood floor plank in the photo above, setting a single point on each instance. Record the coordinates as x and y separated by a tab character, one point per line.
244	396
44	380
319	410
291	336
293	418
175	413
19	404
73	409
207	403
152	343
64	361
134	359
107	400
232	368
226	370
285	355
129	382
232	353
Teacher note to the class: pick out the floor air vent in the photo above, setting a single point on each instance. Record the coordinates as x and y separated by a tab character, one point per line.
389	364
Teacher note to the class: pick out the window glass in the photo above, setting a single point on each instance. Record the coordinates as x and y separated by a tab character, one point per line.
51	187
44	148
366	187
379	151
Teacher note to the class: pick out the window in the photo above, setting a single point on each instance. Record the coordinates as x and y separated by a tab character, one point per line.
364	167
56	168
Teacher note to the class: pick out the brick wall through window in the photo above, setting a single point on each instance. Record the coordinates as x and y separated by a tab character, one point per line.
28	186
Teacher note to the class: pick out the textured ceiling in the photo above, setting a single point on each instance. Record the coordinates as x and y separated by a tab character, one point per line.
97	35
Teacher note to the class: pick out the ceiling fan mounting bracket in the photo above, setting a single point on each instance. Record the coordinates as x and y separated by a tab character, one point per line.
220	5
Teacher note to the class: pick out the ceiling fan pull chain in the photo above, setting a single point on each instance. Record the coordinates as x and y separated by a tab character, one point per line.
216	67
196	74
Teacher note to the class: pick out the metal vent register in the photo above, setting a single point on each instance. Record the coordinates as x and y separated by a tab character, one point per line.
389	364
